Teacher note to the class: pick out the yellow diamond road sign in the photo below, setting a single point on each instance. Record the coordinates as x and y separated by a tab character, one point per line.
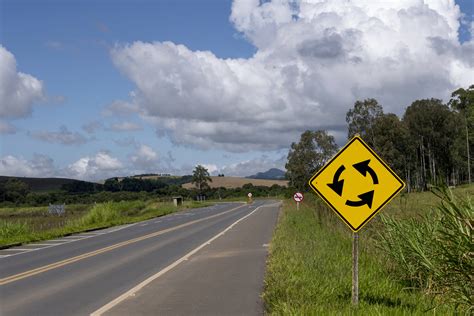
356	183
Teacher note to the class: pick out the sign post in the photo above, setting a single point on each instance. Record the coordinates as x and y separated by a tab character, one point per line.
355	268
249	195
298	197
356	184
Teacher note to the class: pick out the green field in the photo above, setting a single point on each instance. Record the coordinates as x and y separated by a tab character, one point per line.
27	224
309	267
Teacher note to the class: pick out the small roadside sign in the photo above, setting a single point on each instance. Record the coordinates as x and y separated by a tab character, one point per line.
356	183
249	195
298	197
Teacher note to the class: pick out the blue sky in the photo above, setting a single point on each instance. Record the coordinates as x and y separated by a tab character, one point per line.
78	50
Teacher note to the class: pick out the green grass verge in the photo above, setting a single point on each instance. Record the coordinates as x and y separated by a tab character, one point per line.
309	270
35	224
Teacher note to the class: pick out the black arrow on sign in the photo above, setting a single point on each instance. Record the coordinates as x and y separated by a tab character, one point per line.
365	198
363	168
337	184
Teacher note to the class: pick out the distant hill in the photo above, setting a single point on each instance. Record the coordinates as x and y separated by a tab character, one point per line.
42	184
271	174
236	182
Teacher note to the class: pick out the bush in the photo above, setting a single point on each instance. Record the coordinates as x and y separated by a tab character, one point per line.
435	253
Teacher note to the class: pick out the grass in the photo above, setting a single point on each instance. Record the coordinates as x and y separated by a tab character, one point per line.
309	267
23	225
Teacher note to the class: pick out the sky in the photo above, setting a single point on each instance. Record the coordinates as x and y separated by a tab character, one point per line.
95	89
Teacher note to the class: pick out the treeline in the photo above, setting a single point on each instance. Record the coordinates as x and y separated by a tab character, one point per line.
16	192
431	144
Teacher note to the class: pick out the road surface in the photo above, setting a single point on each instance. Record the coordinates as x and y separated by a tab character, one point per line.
207	261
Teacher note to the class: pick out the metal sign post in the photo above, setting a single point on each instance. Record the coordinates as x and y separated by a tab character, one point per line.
355	268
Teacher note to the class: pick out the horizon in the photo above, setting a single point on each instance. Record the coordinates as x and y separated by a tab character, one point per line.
124	88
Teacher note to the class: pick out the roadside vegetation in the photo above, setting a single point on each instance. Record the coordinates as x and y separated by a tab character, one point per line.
22	225
416	258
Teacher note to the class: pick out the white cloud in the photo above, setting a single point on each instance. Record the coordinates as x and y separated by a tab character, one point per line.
38	166
125	127
18	91
100	166
253	166
211	168
144	157
63	136
314	59
6	128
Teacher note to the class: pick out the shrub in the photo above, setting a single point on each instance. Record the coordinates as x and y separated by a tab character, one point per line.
435	253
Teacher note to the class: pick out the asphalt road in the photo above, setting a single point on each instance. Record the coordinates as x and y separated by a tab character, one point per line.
203	261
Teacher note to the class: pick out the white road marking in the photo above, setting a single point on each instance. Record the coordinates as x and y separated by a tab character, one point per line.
144	224
22	249
136	288
41	245
156	222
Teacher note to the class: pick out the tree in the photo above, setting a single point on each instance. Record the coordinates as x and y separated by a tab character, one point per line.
14	190
314	149
201	177
434	130
394	145
462	100
361	118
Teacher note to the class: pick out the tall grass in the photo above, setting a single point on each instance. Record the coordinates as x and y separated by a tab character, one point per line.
309	269
435	252
9	230
102	213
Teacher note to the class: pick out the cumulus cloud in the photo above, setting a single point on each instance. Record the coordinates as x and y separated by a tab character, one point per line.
144	157
38	166
125	127
252	166
100	166
314	59
18	91
63	136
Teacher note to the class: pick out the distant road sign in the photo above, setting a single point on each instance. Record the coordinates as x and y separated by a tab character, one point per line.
356	183
298	197
249	195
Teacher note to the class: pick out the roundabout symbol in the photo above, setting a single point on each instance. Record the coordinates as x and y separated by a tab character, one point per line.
365	198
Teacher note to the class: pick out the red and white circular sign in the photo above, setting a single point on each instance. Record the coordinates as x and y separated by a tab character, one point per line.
298	197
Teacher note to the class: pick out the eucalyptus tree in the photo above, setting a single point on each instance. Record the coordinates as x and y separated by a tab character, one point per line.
462	101
201	178
361	119
307	156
